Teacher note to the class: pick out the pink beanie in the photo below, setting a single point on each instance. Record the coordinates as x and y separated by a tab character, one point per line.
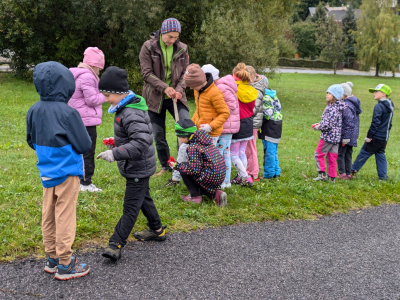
93	56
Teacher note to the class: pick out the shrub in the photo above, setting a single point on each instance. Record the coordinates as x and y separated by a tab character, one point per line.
303	63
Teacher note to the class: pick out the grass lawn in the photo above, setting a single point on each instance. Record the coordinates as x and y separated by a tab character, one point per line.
293	196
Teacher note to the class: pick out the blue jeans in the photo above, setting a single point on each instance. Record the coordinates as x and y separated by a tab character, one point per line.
271	161
380	158
224	146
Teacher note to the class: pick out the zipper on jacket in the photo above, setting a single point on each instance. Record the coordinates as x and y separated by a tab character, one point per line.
162	98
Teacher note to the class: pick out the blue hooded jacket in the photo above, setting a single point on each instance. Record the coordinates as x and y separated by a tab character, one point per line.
54	129
381	120
351	120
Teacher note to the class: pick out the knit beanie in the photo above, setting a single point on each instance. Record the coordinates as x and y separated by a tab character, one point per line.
336	90
185	128
194	76
114	81
170	25
94	57
212	70
347	88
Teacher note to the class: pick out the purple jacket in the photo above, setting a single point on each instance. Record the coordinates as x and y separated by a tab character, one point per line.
87	99
351	120
331	124
229	88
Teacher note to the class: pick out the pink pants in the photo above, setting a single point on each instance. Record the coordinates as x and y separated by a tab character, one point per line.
251	154
329	150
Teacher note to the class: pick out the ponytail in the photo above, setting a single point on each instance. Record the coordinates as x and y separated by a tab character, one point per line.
240	72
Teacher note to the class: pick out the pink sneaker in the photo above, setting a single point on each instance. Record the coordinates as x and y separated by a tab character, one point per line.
348	177
247	182
343	176
197	199
221	198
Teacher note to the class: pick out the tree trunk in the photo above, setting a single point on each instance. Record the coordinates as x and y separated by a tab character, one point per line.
377	70
334	68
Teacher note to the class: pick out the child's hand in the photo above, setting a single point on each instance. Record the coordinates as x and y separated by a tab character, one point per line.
367	140
345	142
205	127
106	155
315	126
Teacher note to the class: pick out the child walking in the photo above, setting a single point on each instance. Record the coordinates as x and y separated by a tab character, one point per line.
331	131
56	132
136	160
204	170
228	87
350	131
247	96
260	83
270	133
378	133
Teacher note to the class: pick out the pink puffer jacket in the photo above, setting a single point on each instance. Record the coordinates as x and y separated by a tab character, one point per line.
87	99
228	87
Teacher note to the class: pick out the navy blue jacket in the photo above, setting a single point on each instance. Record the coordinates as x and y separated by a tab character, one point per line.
351	120
54	129
381	120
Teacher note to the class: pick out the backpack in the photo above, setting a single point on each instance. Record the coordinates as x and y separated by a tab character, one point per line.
272	109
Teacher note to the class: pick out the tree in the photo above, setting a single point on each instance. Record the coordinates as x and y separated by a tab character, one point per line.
349	26
331	39
320	15
377	35
302	8
305	38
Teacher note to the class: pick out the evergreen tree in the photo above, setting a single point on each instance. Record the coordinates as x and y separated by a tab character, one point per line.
320	15
377	35
349	24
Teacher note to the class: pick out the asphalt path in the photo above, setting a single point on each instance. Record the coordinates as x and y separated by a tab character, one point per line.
344	256
338	72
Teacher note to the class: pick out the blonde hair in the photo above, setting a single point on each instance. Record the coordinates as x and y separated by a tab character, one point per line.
240	71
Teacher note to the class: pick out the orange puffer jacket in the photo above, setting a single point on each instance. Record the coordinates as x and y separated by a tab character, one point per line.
210	107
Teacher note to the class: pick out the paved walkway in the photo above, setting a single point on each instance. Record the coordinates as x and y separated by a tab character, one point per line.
338	72
351	256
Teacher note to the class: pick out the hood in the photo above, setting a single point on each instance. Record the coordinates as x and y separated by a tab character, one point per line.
356	102
246	93
201	137
155	35
271	93
138	102
260	86
229	82
79	71
210	81
388	104
53	82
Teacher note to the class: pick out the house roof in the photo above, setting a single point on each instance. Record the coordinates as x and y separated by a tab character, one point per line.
337	12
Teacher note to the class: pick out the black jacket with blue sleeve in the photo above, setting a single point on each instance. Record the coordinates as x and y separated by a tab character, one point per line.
381	120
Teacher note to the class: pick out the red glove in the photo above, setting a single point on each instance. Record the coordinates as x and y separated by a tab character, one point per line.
109	142
171	162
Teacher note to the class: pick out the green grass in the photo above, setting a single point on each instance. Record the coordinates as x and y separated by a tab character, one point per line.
292	197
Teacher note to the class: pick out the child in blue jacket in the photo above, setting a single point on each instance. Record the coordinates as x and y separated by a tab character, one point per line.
378	133
56	131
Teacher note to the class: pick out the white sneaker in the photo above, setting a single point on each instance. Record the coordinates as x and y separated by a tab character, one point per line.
90	188
225	185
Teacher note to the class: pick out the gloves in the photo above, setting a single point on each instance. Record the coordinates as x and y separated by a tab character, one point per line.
109	143
205	127
106	155
315	126
345	142
171	162
367	140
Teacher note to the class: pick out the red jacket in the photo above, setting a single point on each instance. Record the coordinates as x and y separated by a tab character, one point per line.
247	96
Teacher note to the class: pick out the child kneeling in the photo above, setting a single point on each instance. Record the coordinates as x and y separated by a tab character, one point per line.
135	156
204	171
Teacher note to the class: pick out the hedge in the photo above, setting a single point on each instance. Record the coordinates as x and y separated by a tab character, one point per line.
303	63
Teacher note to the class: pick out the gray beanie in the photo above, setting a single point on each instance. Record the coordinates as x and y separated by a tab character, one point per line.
347	88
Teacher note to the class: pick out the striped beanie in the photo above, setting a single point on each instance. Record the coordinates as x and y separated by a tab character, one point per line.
170	25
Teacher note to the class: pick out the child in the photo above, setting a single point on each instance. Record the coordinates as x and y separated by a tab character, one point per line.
136	159
87	100
247	96
228	87
270	134
204	170
59	137
378	133
350	130
260	83
211	110
331	130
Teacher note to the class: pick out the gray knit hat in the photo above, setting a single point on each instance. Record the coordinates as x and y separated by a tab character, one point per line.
347	88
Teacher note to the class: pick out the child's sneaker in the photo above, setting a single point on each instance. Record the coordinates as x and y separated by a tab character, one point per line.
171	183
236	180
90	188
221	198
247	182
332	179
72	270
188	198
225	185
255	178
276	176
353	173
321	177
113	251
343	176
151	235
51	265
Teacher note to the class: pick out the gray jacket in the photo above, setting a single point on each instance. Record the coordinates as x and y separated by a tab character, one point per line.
133	135
260	86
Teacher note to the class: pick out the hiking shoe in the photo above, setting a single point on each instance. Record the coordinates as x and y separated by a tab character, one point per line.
247	182
221	198
332	179
51	265
225	185
73	270
151	235
197	199
255	178
171	182
343	176
113	251
353	173
276	176
321	177
89	188
236	180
